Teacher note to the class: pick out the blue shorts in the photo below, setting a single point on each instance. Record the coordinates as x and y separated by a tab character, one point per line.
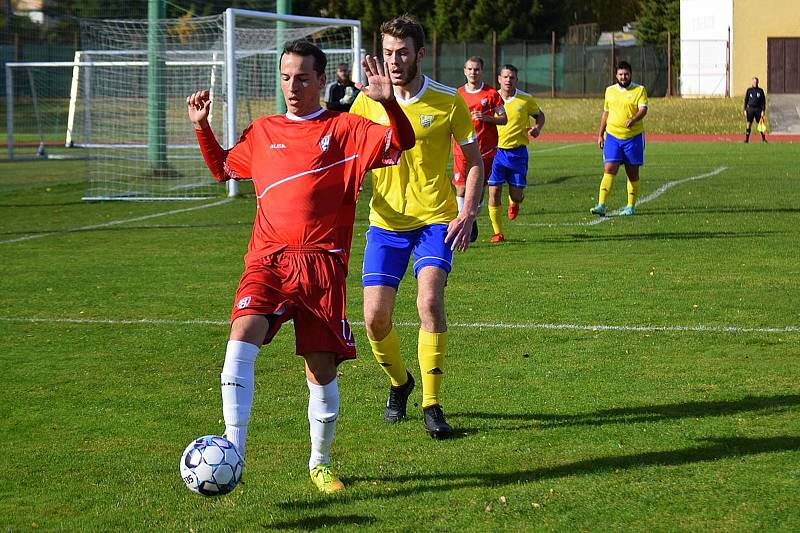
628	151
387	252
510	166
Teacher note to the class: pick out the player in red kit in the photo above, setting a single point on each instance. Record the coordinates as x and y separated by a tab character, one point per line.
306	167
486	108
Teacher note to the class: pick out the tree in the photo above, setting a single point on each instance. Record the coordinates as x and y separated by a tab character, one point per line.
659	17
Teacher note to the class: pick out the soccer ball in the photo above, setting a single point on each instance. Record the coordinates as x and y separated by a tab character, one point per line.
211	466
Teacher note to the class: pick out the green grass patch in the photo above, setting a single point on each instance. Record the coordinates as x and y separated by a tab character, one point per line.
665	115
562	422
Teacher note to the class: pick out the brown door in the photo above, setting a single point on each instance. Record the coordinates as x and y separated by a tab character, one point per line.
783	65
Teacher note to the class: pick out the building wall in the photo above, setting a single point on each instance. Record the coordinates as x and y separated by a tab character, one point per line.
704	35
753	22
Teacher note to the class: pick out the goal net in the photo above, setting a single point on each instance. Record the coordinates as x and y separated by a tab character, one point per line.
122	101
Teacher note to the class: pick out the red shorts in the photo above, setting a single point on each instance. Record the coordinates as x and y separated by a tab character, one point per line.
307	286
460	168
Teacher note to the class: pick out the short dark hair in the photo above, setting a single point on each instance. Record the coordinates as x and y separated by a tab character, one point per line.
474	59
405	26
624	65
343	66
509	66
304	48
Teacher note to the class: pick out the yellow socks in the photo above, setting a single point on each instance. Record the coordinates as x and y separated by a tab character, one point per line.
633	192
605	187
494	217
387	353
431	350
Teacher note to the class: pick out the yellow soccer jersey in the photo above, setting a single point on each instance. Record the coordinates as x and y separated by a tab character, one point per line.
417	192
623	104
518	108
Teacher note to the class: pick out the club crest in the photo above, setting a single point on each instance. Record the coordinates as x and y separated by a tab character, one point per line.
425	121
324	143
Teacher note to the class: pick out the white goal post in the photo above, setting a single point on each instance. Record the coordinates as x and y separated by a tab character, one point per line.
99	101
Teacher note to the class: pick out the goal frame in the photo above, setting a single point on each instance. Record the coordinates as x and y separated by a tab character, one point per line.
228	56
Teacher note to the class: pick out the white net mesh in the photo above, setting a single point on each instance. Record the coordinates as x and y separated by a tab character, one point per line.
132	123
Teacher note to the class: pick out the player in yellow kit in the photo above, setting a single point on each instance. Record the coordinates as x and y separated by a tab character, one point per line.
511	162
621	137
413	214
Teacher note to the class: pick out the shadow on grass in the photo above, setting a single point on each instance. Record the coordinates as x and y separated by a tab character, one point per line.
720	210
51	204
560	179
125	228
648	413
311	523
655	236
659	236
419	483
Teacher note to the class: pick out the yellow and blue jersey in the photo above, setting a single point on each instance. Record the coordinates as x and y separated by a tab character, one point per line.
518	108
416	192
622	104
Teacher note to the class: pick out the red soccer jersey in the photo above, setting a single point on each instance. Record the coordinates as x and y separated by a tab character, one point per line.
306	174
488	101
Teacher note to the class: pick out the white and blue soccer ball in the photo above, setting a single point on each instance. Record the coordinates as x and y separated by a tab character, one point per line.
211	466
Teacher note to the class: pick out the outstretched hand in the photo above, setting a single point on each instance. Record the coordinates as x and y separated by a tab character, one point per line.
379	85
198	106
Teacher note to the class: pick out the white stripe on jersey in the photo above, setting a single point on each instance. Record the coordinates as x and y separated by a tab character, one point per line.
301	174
442	88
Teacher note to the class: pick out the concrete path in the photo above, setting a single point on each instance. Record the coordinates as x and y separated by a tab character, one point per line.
783	114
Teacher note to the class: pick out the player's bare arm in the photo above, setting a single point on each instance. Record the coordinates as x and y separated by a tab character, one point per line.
637	117
198	106
537	128
459	229
601	132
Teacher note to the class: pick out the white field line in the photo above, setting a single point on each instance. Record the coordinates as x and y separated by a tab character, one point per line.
471	325
115	222
661	190
650	197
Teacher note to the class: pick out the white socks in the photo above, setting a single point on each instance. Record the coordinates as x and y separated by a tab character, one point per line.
323	410
237	381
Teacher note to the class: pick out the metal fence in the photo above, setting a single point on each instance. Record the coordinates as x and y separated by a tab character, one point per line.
563	70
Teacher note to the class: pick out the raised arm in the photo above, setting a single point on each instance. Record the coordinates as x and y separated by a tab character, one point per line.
379	88
198	107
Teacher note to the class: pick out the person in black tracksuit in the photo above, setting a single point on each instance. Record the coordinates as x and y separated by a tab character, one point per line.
755	105
339	94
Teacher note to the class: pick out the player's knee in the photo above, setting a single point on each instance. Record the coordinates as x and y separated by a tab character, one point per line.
378	322
250	328
430	307
518	195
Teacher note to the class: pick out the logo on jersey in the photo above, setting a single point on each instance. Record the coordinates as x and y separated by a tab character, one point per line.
273	146
325	142
426	120
244	302
484	101
347	333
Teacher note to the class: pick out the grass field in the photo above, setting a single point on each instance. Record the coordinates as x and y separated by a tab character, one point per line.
628	374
